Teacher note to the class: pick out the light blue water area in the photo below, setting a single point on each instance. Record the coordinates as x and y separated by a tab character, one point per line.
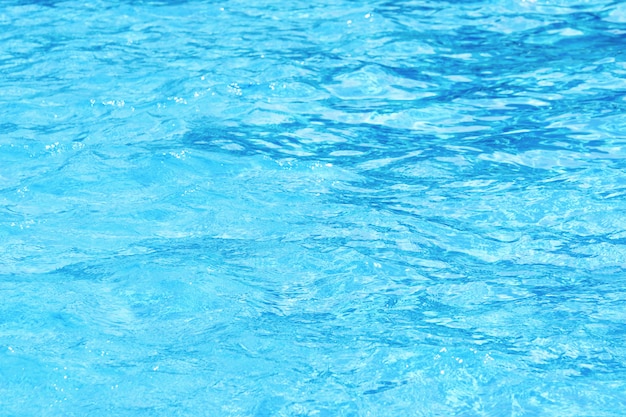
312	208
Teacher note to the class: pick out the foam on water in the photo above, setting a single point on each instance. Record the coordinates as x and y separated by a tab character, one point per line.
312	208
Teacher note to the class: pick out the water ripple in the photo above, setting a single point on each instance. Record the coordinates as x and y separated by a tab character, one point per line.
314	208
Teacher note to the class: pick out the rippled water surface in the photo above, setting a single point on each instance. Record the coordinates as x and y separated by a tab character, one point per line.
312	208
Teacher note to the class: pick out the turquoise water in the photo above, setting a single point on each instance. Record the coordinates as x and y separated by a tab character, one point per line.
312	208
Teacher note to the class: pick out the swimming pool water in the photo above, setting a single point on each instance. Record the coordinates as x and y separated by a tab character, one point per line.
312	208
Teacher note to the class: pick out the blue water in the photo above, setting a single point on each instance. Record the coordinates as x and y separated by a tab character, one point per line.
312	208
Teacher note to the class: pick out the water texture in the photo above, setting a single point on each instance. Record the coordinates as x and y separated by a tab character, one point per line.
312	208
